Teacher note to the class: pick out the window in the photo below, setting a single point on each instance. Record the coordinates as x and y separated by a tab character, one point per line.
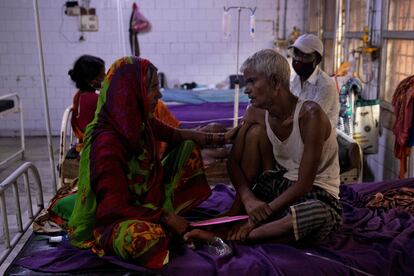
314	17
356	19
400	56
321	21
401	15
328	36
398	43
357	15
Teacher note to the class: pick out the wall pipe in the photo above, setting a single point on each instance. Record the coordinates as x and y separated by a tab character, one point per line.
284	20
277	18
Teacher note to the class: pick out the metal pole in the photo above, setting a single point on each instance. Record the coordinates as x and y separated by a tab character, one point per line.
44	88
237	84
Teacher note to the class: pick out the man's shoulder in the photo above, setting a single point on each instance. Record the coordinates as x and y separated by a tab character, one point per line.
311	114
324	79
310	108
325	83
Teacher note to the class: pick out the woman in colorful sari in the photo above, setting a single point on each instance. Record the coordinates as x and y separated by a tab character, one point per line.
129	201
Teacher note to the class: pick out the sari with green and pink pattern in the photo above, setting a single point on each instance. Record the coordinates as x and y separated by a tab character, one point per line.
124	187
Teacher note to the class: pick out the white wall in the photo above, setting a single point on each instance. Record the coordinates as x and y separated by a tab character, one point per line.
186	43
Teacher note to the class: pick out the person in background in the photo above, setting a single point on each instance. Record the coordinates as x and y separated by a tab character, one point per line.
308	81
301	201
129	203
88	74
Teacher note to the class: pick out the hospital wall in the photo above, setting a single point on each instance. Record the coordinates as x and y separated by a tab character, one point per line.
186	43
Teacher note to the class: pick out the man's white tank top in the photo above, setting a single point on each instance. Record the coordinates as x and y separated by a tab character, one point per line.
288	154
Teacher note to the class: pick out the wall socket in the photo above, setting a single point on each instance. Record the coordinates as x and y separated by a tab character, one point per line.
72	11
88	20
72	8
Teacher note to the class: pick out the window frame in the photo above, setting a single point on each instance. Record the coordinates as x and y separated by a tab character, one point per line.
350	35
322	33
387	35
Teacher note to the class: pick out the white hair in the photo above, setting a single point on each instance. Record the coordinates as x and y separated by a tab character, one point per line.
271	64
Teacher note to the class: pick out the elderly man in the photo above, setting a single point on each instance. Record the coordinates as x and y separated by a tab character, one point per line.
310	82
300	202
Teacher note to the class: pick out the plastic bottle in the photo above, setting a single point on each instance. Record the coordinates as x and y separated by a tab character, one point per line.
218	247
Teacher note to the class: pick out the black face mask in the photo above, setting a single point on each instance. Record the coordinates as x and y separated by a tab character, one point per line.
304	70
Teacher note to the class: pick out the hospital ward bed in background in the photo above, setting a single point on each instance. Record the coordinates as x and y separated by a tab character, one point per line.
10	103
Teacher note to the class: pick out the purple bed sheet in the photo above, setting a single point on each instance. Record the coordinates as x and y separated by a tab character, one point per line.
193	115
370	242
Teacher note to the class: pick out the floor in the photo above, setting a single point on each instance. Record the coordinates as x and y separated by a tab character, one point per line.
37	153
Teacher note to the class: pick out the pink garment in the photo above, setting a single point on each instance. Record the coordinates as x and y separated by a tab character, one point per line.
84	112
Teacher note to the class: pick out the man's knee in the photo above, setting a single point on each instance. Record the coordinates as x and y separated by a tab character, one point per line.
256	132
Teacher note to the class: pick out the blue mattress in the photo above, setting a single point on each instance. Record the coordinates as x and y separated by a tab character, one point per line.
201	96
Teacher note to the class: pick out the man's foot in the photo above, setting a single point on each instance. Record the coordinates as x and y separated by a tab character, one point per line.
198	235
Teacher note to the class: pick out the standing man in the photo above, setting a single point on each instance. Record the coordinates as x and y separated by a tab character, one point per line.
308	81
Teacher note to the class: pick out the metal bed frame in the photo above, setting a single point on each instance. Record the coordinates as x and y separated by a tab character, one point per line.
356	173
11	181
16	109
65	134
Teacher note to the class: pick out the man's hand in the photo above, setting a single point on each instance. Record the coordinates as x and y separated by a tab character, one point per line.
258	211
175	223
239	233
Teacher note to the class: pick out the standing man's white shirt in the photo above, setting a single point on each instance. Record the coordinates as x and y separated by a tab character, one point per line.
320	88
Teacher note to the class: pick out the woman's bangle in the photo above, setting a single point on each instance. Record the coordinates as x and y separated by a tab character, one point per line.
221	140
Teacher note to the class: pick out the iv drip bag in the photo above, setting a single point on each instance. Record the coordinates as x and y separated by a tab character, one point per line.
252	25
226	24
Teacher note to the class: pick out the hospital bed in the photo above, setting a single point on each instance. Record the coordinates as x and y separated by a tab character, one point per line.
67	167
371	241
195	108
20	189
10	103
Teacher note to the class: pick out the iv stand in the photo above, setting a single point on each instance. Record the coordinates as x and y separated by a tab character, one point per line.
237	81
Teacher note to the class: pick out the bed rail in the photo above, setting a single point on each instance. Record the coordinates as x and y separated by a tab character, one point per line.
11	181
358	156
65	131
19	109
